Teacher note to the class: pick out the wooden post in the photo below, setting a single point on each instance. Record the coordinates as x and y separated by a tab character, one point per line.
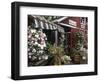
56	37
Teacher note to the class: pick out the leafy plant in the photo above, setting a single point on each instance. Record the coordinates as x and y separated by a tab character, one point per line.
58	55
80	40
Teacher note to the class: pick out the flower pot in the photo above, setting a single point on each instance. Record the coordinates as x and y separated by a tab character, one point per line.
77	59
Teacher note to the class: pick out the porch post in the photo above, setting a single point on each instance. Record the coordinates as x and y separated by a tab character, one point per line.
56	37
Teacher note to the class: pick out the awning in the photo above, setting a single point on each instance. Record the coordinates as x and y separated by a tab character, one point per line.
40	22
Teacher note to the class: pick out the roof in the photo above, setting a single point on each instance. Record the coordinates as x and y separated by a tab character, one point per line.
41	22
64	24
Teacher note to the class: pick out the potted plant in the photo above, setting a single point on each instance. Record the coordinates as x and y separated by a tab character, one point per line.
58	55
75	52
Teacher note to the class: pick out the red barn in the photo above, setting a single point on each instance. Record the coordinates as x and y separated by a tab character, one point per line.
71	26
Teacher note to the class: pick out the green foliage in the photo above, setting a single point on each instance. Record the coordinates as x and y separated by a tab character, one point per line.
80	40
77	49
79	37
58	54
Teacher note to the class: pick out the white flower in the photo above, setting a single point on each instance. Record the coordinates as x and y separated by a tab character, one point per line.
84	58
42	46
37	36
34	50
45	57
46	38
39	31
67	58
33	31
44	35
32	42
29	36
36	43
30	57
39	45
41	51
29	54
40	58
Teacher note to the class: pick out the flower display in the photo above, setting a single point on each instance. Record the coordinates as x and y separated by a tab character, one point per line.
36	44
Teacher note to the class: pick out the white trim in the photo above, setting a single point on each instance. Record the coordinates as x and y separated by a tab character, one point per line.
60	19
67	25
